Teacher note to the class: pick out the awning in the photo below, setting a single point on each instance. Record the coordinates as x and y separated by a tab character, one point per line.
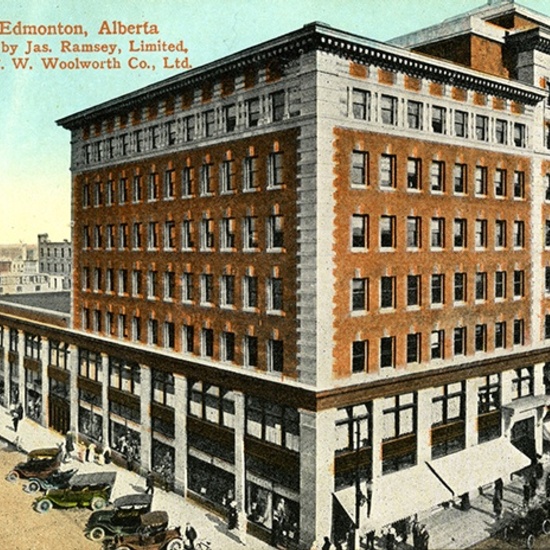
396	496
527	403
479	465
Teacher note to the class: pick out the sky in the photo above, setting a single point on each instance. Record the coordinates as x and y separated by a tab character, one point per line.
35	152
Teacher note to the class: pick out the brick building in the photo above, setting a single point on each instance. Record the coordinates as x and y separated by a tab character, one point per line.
313	274
55	259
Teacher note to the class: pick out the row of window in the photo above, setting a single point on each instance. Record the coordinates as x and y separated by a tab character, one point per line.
388	232
66	250
190	183
388	299
438	176
208	123
387	345
418	116
202	344
193	289
183	236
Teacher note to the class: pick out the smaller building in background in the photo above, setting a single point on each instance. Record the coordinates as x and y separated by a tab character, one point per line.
55	259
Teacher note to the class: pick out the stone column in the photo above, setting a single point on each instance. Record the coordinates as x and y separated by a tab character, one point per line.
145	416
21	368
424	425
240	482
506	393
73	387
105	398
180	436
539	389
377	435
6	365
317	440
45	389
472	385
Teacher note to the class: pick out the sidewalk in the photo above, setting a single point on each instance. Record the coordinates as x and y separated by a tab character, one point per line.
209	526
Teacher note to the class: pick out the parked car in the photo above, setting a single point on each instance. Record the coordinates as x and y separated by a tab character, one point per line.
123	519
57	480
40	464
93	490
153	535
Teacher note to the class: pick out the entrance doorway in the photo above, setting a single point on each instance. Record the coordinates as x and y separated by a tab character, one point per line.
59	414
523	437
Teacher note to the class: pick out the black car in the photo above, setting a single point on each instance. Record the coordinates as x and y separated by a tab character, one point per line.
122	519
57	480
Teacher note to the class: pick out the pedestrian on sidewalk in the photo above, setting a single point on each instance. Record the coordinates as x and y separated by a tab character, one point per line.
130	458
107	455
327	545
526	494
424	538
15	419
499	488
190	535
90	453
370	540
497	506
232	515
150	483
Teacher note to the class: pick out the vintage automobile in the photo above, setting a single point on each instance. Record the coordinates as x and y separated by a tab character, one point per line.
524	525
40	464
85	490
153	535
123	519
58	480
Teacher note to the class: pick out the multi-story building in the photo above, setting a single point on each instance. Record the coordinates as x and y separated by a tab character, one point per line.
55	259
314	274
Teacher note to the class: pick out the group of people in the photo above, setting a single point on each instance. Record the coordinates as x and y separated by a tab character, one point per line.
531	482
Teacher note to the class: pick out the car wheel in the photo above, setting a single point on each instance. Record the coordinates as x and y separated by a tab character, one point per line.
530	541
546	526
97	534
32	487
174	544
98	503
43	506
12	477
123	548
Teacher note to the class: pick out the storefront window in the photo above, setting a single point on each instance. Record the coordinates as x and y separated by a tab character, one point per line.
124	376
523	383
163	462
89	363
90	424
33	397
211	403
14	383
58	354
163	387
124	440
210	482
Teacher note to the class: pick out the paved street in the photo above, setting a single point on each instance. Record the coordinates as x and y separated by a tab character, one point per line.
24	529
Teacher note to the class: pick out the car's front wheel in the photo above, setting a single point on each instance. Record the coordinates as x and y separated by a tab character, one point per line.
175	544
43	506
97	534
98	503
123	548
33	486
12	477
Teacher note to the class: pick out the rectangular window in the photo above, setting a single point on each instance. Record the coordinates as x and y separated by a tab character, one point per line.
136	235
439	120
169	235
519	185
230	117
275	233
461	124
250	171
519	327
359	169
481	234
414	115
250	233
500	233
500	182
414	173
387	232
460	287
359	294
251	351
137	286
153	235
359	350
227	291
169	335
482	127
207	342
481	286
187	241
253	112
459	230
481	181
388	110
152	284
227	234
275	170
169	285
188	338
524	382
275	355
250	292
501	131
547	280
437	339
413	290
207	234
500	335
547	233
208	123
460	179
169	184
137	188
123	281
519	283
438	289
138	140
387	171
207	288
519	234
361	104
277	102
153	332
437	233
227	177
520	135
387	292
413	348
437	177
275	294
187	181
206	180
500	285
187	287
387	352
413	232
228	346
459	341
359	231
188	128
153	187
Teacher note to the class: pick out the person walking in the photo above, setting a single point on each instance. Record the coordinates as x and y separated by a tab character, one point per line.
497	506
150	483
232	515
526	494
69	446
327	545
190	535
15	418
499	488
